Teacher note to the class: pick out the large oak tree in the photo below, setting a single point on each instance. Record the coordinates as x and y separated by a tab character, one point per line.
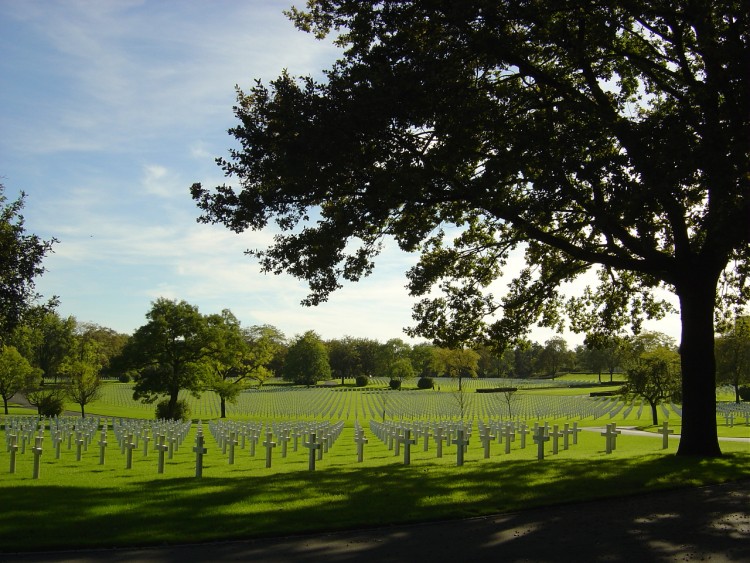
607	135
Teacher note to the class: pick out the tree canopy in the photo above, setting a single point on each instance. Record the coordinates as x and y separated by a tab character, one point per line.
21	256
168	353
307	360
610	135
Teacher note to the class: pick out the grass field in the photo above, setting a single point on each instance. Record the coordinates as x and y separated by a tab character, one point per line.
85	504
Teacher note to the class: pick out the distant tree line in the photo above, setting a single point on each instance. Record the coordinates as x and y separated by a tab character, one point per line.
52	359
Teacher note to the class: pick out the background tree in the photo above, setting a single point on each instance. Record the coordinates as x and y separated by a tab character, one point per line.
343	357
612	139
494	363
553	356
655	376
223	361
307	360
733	356
401	370
106	343
525	354
45	339
21	256
16	374
168	353
83	383
265	354
268	336
422	358
459	364
368	351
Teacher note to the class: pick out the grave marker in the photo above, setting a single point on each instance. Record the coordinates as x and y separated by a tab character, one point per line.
540	437
312	445
102	446
79	445
129	446
665	431
233	442
269	444
200	451
161	447
408	442
361	441
510	436
486	437
611	437
461	442
37	449
13	449
556	435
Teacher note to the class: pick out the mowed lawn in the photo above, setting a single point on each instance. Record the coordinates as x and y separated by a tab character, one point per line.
85	504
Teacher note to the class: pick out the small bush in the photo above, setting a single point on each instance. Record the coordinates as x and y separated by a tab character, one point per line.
426	383
123	378
744	392
361	381
50	405
181	410
395	383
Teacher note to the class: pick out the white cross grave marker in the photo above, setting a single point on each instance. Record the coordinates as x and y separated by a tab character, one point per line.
665	431
200	451
461	443
540	437
312	445
269	444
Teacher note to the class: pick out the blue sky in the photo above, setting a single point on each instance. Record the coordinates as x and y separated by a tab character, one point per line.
111	109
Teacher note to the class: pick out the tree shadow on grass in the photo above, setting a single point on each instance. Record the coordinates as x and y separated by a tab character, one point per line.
154	512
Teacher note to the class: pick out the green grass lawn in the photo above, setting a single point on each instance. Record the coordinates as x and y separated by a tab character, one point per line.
84	504
75	504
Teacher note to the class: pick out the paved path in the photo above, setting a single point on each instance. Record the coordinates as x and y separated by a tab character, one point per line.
631	431
707	523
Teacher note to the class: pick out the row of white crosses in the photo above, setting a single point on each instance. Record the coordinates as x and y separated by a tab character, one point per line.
317	436
733	412
409	433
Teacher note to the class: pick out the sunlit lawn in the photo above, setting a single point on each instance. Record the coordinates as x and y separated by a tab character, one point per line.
87	504
76	504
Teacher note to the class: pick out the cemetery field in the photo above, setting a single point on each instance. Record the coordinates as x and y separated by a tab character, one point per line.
79	491
82	503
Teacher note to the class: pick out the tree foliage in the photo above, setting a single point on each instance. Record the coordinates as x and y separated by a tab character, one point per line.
733	355
21	256
654	376
16	374
45	339
83	382
609	136
168	353
307	360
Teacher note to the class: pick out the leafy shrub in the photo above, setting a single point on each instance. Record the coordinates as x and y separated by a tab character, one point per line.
395	383
744	391
124	378
361	381
426	383
50	405
181	410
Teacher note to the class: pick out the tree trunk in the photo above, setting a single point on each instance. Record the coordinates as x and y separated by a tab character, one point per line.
223	403
172	408
697	293
654	413
83	412
5	403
